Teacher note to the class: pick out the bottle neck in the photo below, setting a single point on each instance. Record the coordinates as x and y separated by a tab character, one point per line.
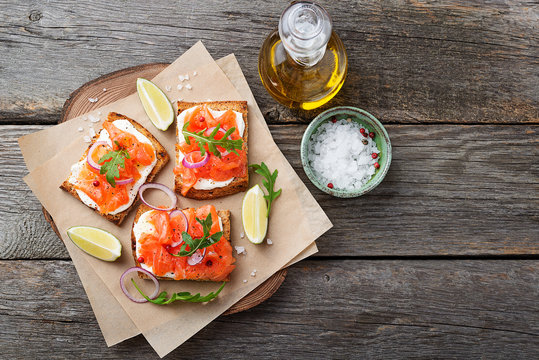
305	29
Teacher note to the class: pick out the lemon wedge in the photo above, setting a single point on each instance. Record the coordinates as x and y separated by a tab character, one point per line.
253	215
96	242
155	103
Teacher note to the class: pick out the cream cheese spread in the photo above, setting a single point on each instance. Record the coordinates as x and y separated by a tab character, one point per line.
144	226
144	171
207	184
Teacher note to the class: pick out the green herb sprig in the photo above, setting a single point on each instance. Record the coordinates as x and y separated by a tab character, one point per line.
110	168
161	299
269	183
205	241
210	140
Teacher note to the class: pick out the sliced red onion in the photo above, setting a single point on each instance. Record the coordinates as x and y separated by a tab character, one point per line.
137	269
192	165
89	159
124	181
197	257
163	188
210	130
175	213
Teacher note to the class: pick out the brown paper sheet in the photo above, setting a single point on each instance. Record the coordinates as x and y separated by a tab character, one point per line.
109	314
306	225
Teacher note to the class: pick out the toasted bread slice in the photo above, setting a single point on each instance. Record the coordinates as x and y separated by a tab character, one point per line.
239	183
161	155
225	220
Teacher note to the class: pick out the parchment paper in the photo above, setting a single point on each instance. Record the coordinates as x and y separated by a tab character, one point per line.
296	220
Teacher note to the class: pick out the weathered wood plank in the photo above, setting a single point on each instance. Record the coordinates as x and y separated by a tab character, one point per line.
417	62
451	190
329	309
24	233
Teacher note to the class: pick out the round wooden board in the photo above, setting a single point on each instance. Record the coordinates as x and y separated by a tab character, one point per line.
120	84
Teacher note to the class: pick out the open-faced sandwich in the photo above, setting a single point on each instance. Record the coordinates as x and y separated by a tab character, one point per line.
188	244
121	158
211	149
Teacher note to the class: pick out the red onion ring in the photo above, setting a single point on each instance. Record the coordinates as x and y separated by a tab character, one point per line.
89	159
137	269
192	165
174	213
124	181
209	131
196	258
161	187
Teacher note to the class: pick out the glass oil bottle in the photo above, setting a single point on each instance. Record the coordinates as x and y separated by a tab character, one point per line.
303	63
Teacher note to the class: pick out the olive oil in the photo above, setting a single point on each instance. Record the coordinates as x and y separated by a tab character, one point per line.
303	63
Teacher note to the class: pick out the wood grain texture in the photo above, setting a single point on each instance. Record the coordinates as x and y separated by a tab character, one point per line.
451	190
326	309
24	233
415	62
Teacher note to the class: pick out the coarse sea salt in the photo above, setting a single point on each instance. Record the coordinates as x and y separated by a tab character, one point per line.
338	156
240	250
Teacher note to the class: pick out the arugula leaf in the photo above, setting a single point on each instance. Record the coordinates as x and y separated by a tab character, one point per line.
195	244
203	140
269	183
117	159
161	299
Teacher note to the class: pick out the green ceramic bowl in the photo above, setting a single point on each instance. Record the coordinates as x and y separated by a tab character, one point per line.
364	119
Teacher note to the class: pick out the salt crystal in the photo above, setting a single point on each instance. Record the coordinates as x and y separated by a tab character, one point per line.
180	86
244	281
268	240
208	99
168	88
188	87
181	77
91	132
242	235
186	76
93	100
87	138
253	274
195	73
180	99
104	89
93	119
240	250
80	129
99	113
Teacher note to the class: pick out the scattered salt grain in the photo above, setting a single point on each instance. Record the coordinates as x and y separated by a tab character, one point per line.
87	138
104	89
188	87
93	100
91	132
253	274
168	88
181	77
268	240
208	99
80	129
186	76
242	235
240	250
180	86
99	113
180	99
244	281
93	119
338	155
195	73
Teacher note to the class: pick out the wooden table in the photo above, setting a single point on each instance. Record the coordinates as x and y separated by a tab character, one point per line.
440	261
